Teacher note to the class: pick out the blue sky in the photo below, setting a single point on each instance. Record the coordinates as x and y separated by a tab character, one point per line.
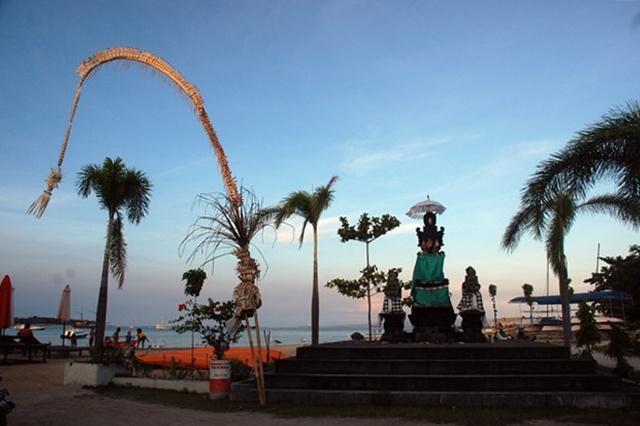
457	100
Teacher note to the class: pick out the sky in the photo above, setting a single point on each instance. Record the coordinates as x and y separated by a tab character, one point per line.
456	100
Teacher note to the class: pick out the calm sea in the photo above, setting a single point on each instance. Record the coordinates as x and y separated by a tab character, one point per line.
171	339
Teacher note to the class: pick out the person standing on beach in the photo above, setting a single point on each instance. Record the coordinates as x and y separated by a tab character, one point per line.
140	338
116	336
128	338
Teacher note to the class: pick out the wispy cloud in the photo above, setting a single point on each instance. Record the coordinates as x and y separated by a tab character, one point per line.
505	163
182	167
362	157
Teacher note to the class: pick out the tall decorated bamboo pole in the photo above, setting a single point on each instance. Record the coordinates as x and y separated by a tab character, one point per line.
85	69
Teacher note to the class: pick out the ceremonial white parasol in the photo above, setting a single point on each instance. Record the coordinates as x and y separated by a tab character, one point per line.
428	205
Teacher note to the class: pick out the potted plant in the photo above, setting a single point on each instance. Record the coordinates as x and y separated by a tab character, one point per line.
209	320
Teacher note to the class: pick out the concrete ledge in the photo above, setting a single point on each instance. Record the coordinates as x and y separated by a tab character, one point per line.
90	374
247	392
197	386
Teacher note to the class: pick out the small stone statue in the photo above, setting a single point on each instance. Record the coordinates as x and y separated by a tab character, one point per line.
392	312
471	309
471	297
392	293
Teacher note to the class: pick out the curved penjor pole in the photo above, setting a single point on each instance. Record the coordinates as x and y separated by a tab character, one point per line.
85	69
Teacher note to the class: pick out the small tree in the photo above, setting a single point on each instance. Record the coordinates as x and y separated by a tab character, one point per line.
367	231
588	335
620	274
493	292
619	346
528	291
209	321
370	281
195	280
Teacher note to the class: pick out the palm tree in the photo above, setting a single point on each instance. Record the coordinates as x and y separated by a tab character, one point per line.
120	191
528	292
553	222
309	206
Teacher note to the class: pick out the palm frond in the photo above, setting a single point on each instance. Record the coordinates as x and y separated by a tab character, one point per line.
522	221
88	177
226	227
625	209
607	148
322	197
296	203
304	227
137	195
118	250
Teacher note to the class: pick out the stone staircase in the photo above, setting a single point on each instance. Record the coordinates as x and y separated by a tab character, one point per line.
505	373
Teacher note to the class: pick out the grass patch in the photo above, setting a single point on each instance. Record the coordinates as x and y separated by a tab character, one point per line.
459	415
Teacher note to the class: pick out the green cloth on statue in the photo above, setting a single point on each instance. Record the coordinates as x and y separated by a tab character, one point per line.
429	268
431	297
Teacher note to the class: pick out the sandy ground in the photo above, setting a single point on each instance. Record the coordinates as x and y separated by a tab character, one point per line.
42	400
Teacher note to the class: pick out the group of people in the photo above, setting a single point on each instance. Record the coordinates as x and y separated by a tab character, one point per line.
114	339
26	336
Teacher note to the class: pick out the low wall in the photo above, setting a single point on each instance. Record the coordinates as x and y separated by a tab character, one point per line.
89	374
197	386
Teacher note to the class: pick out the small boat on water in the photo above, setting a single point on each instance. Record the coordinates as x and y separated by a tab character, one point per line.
164	326
70	332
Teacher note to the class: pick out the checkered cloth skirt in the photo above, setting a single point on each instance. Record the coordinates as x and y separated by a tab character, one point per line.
392	304
466	302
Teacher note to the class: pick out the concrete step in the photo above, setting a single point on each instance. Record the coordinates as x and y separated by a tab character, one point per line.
435	366
378	351
446	382
247	392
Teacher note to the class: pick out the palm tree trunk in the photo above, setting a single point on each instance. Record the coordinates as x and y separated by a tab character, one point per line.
315	303
369	296
101	311
566	307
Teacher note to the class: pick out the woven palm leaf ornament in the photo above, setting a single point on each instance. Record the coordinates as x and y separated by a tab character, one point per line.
87	67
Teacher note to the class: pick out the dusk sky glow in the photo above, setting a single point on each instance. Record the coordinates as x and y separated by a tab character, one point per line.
457	100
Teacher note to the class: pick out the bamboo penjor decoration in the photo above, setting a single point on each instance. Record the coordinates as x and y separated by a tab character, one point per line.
85	69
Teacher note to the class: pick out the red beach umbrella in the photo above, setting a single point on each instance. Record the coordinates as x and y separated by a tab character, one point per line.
6	303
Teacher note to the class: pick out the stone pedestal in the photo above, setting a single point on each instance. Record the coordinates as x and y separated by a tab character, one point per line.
472	327
393	326
432	324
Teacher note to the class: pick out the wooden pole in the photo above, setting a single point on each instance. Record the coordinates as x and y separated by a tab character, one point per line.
256	370
261	370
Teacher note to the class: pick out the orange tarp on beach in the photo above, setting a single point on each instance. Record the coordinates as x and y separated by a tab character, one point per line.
182	357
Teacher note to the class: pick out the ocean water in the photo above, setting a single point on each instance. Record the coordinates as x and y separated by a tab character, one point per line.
171	339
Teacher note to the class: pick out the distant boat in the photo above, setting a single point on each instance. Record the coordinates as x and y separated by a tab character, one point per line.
33	327
164	326
68	334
